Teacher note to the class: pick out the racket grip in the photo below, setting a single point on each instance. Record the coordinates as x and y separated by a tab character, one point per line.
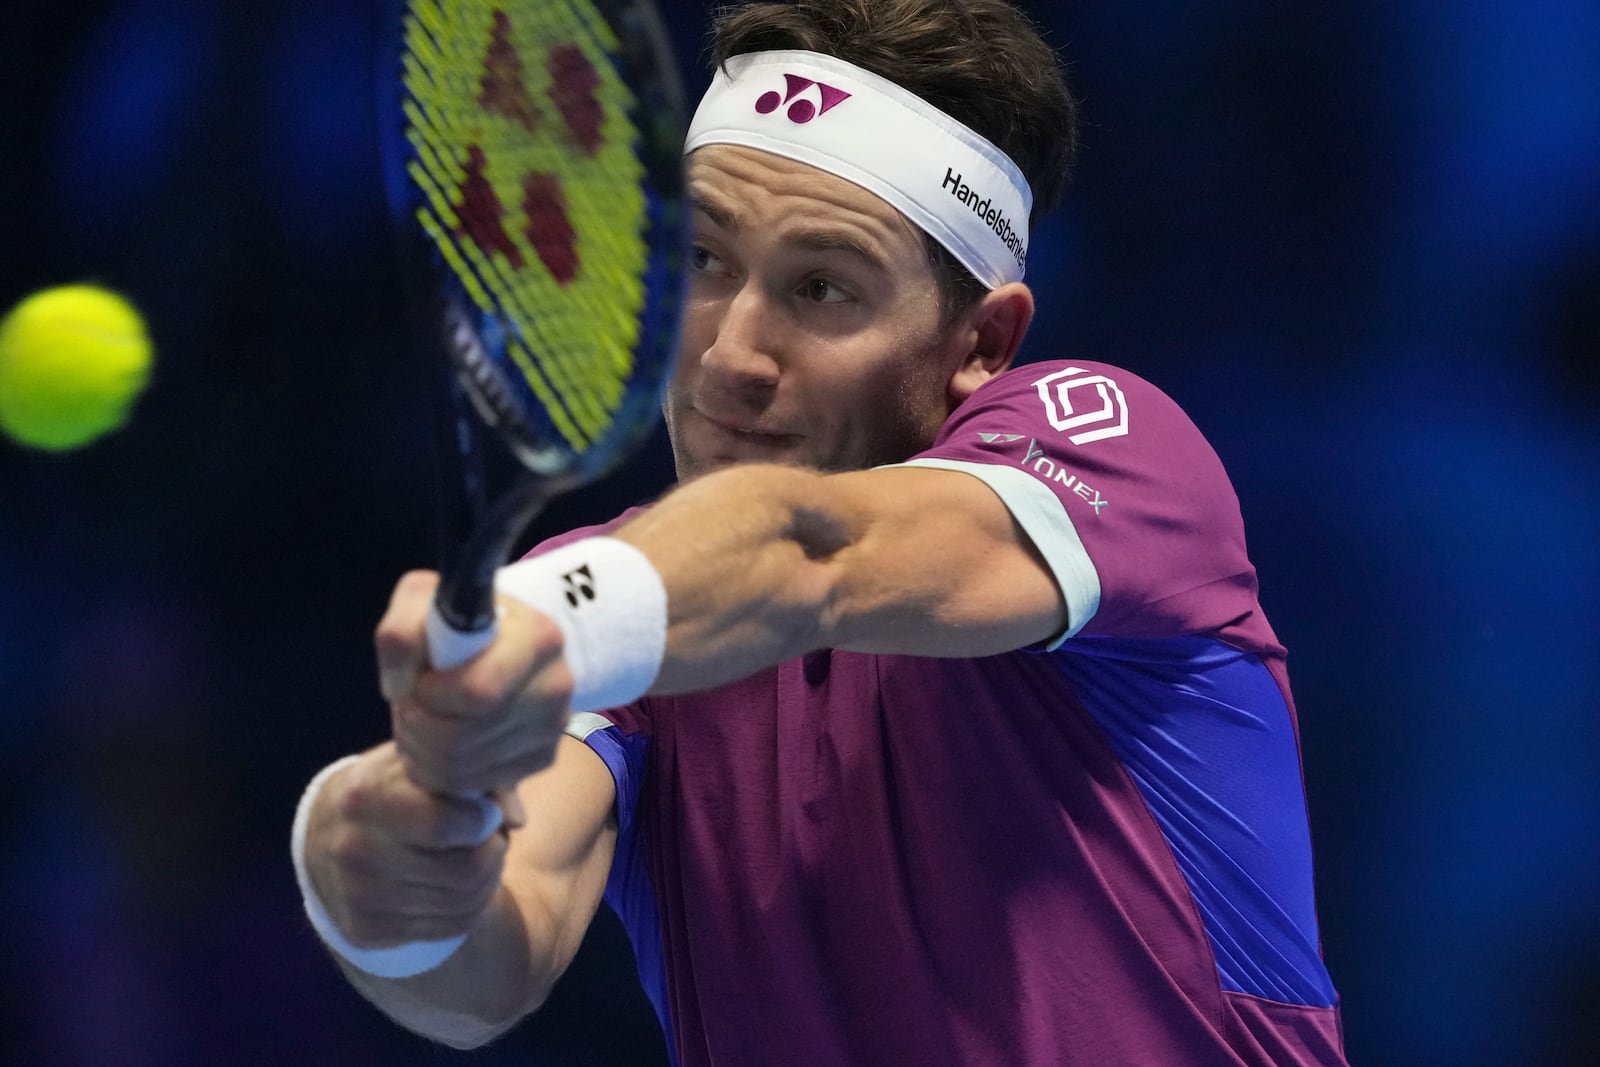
449	648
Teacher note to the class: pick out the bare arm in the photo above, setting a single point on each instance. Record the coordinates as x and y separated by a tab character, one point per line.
762	563
554	870
395	860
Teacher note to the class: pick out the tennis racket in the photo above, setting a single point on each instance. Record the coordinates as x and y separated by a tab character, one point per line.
533	163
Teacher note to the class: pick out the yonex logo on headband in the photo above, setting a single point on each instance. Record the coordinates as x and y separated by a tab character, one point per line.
801	111
888	141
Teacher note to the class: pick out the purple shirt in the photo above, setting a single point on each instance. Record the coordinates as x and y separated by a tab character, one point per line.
1091	852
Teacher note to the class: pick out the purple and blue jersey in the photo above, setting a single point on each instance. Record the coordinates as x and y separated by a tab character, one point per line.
1093	851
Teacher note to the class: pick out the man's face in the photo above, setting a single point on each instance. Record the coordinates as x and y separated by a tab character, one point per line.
812	331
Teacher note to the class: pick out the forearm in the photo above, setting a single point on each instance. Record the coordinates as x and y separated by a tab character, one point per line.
750	557
764	563
383	863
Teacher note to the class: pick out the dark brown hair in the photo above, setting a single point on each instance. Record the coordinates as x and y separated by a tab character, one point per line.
982	62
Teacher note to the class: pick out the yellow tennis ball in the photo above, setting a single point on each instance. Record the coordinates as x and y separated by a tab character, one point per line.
72	361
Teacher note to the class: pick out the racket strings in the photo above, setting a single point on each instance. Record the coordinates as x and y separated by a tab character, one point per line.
536	210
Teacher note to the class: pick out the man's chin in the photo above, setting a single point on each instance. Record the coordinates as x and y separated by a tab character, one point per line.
692	467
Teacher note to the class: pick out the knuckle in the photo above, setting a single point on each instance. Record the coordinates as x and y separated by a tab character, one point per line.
415	734
492	858
480	694
352	802
389	636
397	635
428	773
410	716
397	630
423	774
535	636
454	776
365	928
417	583
433	828
451	697
487	866
444	825
350	851
544	636
483	898
432	762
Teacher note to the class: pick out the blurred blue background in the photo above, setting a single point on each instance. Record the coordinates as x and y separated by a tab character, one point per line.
1360	243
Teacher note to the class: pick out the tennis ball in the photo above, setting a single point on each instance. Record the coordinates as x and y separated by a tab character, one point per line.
73	359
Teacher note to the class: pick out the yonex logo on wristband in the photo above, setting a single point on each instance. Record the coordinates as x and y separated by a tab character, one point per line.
613	644
801	111
579	583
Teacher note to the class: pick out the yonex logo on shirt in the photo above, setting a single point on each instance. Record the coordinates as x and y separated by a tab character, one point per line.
801	111
1108	416
1050	471
1048	468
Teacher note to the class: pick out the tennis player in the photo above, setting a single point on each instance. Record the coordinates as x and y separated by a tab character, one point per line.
933	718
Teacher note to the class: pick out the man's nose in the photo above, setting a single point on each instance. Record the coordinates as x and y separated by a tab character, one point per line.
745	348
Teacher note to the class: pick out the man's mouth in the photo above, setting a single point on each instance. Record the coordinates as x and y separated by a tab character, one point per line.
746	430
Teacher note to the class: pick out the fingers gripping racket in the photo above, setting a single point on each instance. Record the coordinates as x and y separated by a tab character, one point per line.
532	157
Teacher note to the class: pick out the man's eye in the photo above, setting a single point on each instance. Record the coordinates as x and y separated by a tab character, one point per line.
702	260
822	291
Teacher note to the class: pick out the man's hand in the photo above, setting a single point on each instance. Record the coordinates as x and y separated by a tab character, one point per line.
394	863
481	727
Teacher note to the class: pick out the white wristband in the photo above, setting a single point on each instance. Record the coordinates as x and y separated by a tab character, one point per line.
398	961
609	602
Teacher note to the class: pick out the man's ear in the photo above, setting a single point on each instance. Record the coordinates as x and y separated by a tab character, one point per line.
990	332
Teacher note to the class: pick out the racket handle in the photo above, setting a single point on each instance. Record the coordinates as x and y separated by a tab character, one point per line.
449	648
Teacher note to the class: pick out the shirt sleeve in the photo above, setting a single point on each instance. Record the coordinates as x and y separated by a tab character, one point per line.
1121	494
623	754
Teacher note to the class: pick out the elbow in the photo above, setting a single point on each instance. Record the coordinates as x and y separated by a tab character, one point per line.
475	1033
465	1029
464	1042
460	1034
463	1033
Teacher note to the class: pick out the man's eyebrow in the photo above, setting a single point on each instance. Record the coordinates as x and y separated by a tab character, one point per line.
720	216
839	241
815	240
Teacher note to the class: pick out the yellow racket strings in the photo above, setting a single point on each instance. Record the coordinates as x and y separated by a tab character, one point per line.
524	159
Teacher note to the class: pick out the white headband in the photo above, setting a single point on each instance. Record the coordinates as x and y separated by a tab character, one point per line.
819	110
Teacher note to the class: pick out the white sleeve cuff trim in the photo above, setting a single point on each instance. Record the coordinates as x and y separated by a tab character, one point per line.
1040	514
584	723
